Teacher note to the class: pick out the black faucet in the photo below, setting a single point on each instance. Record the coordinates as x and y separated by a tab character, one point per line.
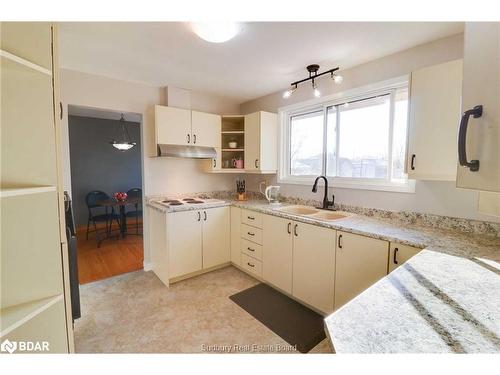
327	205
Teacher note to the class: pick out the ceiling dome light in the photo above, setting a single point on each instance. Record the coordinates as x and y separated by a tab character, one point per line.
216	32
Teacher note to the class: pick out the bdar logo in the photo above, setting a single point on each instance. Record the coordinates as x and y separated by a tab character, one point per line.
8	346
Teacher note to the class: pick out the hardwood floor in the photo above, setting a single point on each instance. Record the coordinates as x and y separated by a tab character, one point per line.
114	256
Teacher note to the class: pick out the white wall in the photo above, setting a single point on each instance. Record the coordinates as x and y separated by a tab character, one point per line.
160	175
440	198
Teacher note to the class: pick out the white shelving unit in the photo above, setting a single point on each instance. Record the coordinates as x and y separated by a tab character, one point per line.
33	295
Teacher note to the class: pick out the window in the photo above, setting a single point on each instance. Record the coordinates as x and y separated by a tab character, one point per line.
357	142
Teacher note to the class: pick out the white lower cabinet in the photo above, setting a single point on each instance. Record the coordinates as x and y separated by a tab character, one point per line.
277	252
184	242
314	265
196	240
216	239
235	235
399	254
359	262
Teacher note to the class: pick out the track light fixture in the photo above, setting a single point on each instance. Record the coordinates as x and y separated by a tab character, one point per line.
313	74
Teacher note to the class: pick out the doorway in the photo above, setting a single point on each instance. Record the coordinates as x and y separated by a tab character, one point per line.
109	225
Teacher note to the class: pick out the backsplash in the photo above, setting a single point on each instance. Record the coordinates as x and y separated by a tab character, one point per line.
404	217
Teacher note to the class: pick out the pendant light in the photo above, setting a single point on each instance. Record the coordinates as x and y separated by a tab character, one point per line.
124	143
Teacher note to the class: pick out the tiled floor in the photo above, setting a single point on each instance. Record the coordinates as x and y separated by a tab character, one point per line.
136	313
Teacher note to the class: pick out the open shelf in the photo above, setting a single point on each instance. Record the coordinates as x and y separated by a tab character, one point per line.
233	132
15	316
233	149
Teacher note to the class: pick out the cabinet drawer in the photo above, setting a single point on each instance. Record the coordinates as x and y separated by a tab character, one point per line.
251	233
251	249
251	218
251	265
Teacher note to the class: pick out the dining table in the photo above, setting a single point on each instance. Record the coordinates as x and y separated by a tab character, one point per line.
120	204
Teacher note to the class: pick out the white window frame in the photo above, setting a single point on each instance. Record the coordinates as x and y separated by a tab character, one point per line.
384	87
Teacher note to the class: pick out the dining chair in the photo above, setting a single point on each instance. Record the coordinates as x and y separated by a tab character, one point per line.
96	214
137	211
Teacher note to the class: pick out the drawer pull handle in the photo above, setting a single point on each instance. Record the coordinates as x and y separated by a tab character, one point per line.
289	228
199	215
339	241
250	218
412	166
250	264
249	248
394	258
251	234
295	230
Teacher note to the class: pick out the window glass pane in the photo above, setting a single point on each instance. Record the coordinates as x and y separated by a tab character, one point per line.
399	134
331	141
364	137
306	144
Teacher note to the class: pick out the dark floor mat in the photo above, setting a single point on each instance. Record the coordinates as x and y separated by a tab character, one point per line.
293	322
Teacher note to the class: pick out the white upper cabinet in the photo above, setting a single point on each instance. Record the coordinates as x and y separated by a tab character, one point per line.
173	125
177	126
205	129
261	142
479	167
435	101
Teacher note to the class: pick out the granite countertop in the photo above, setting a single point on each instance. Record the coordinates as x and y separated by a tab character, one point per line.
444	299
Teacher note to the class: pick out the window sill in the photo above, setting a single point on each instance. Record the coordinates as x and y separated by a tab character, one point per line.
349	183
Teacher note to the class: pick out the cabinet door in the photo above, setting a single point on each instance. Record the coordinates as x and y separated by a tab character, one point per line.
268	142
184	242
235	235
216	237
314	265
173	125
252	142
277	252
205	128
214	164
360	261
399	254
481	86
435	102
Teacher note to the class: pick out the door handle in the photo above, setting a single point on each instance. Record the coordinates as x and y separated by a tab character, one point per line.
199	215
394	257
412	164
475	112
295	230
289	228
194	138
339	241
215	163
61	110
205	215
189	138
256	163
